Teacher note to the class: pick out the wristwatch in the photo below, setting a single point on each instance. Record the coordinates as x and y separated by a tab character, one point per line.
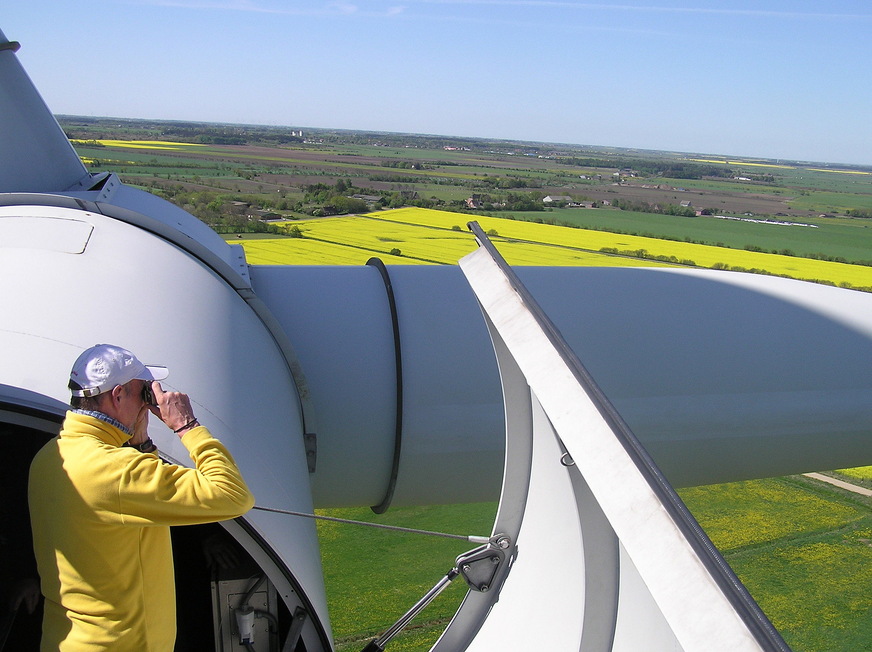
147	446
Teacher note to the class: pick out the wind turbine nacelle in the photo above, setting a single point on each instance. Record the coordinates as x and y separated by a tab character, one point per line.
722	376
340	386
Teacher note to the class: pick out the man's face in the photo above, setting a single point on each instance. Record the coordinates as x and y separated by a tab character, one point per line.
129	403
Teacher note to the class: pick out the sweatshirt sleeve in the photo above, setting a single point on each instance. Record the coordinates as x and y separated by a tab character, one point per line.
151	492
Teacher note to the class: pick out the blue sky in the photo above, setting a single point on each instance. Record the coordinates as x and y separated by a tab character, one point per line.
778	78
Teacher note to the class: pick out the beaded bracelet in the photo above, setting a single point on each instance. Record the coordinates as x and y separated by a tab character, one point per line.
193	422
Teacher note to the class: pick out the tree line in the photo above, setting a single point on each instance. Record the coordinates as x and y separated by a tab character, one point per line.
653	168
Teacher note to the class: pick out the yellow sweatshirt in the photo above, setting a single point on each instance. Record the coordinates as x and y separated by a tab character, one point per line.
100	515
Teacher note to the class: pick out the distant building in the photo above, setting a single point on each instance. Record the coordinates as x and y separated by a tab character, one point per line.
550	199
266	216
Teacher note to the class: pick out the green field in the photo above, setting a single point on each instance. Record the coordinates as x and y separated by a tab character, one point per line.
803	550
831	202
801	547
367	592
849	239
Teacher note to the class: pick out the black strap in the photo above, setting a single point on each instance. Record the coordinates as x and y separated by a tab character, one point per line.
382	507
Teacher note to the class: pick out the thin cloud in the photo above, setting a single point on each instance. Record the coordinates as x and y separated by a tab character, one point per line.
556	4
337	8
343	7
226	5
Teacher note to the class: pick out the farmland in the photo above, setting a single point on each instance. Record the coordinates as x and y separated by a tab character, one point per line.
232	175
270	163
833	238
417	235
861	475
417	243
801	547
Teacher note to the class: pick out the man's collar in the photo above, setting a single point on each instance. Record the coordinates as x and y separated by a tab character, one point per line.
106	419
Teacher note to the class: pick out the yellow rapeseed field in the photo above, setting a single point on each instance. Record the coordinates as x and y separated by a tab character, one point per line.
440	237
861	172
749	163
303	251
701	255
148	144
861	473
352	240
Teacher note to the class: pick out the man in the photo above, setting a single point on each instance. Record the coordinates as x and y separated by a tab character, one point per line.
101	504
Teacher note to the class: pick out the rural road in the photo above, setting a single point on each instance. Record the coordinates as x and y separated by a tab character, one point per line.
840	483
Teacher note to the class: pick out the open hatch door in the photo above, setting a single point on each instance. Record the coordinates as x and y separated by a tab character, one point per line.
604	554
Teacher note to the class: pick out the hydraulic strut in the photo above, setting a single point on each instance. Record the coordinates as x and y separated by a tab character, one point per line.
479	567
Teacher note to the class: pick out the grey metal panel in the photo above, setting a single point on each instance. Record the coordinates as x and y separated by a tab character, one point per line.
723	376
452	431
131	288
43	159
562	592
178	225
521	464
453	425
338	320
701	599
640	621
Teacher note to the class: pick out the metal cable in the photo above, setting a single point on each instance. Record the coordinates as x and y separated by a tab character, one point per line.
471	538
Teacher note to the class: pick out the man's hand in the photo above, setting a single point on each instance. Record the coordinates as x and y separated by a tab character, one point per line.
173	408
140	428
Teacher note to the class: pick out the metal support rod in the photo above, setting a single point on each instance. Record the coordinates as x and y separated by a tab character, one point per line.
378	645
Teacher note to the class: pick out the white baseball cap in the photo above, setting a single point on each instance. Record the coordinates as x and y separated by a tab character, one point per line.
104	366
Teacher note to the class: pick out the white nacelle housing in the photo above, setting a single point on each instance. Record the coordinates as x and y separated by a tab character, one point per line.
80	278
